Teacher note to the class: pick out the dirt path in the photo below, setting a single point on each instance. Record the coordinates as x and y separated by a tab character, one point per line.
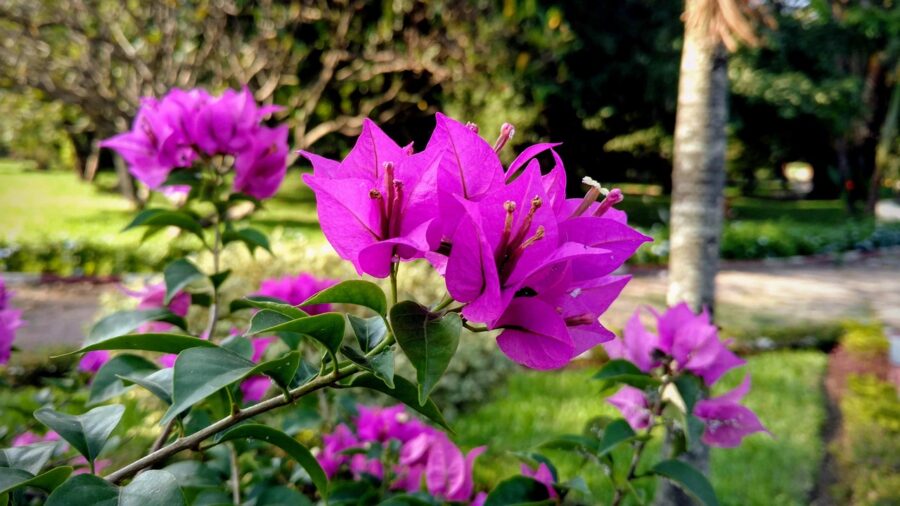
761	292
57	314
782	291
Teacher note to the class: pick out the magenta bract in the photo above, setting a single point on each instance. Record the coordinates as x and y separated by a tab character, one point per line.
296	289
728	422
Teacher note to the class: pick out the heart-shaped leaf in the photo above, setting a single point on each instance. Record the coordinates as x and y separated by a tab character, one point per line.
178	275
623	371
166	218
158	383
369	331
31	458
614	434
11	479
88	432
358	292
163	343
107	384
688	478
124	322
150	488
428	339
519	490
251	237
290	445
265	302
282	370
326	328
405	392
383	366
266	319
201	372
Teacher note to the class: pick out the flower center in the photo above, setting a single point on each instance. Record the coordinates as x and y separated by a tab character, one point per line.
513	242
390	205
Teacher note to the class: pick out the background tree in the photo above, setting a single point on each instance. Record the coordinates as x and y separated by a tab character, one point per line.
711	27
333	63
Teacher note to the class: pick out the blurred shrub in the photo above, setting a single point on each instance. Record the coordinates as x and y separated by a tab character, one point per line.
865	338
868	449
84	257
752	240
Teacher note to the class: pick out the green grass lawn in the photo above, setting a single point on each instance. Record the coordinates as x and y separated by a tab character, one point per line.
37	205
531	407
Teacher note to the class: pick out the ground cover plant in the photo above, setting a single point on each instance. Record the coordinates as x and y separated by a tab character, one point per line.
522	264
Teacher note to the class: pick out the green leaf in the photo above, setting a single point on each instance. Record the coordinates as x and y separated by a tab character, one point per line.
623	371
405	392
163	343
150	488
107	384
383	366
11	479
194	474
271	303
615	434
158	383
690	389
266	319
31	458
305	374
688	478
251	237
407	500
166	218
572	442
290	445
239	345
201	372
358	292
279	496
124	322
369	331
429	340
218	278
518	490
282	370
88	432
178	275
326	328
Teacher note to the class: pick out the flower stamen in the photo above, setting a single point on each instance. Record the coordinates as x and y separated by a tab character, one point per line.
507	131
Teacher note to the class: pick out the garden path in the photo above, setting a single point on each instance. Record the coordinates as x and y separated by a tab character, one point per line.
761	293
788	292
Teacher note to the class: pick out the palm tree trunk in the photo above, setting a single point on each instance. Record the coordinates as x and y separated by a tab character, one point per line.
886	138
698	179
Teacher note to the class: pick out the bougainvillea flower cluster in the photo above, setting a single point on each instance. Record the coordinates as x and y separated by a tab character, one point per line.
426	457
297	289
513	249
10	321
684	342
183	126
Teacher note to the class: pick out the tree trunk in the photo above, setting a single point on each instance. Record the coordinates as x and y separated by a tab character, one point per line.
886	139
126	184
698	179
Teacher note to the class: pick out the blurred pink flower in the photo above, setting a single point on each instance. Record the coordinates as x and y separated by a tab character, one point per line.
543	475
728	422
296	289
633	405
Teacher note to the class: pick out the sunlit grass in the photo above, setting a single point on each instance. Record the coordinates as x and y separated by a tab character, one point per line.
531	407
